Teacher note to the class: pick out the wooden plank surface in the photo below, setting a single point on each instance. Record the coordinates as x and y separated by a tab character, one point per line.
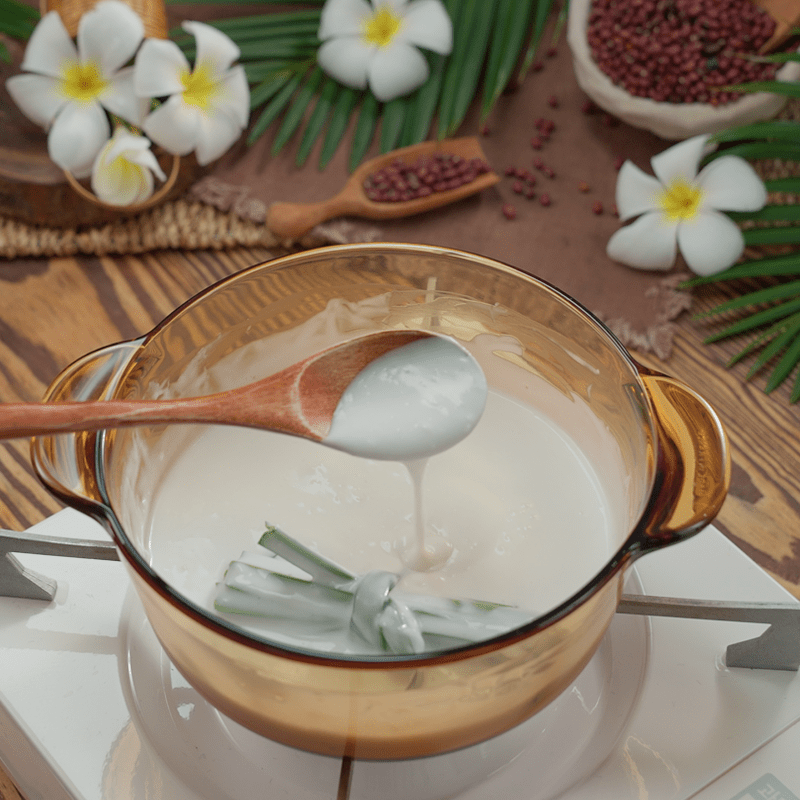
53	311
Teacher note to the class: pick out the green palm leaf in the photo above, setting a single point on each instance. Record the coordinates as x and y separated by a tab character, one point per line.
779	148
773	213
755	320
471	28
759	297
365	129
788	264
777	318
340	118
786	364
765	237
318	119
392	120
785	88
294	116
510	31
278	52
17	20
783	130
275	106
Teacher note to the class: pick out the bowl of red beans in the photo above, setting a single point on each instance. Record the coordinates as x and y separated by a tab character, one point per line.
667	65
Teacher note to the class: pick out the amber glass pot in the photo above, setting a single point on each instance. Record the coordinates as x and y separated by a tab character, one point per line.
666	442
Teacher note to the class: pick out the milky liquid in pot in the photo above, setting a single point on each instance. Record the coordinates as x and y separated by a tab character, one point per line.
519	505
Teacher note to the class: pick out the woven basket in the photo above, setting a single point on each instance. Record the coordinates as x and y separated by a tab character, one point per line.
152	12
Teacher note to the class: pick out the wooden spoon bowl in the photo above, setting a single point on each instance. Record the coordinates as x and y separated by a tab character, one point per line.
292	220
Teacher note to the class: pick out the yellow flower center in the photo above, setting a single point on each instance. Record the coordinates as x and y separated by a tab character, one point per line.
82	82
680	200
382	27
124	171
200	87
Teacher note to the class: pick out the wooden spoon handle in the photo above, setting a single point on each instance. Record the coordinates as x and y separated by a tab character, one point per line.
21	420
292	220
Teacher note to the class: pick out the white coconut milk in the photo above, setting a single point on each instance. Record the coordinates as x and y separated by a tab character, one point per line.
521	510
518	512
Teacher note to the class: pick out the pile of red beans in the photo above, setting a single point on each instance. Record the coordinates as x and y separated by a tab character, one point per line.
420	178
679	51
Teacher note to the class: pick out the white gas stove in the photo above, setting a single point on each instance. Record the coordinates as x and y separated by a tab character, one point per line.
91	708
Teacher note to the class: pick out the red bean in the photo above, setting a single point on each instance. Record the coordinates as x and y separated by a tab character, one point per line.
437	173
678	51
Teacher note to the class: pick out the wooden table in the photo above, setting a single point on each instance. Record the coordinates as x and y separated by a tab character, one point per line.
53	311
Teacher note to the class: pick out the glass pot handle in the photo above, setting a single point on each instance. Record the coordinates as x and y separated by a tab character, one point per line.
694	466
65	462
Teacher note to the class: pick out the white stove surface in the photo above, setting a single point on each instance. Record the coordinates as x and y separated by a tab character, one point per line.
91	709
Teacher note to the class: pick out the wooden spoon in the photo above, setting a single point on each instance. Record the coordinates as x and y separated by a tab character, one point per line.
786	14
299	400
292	220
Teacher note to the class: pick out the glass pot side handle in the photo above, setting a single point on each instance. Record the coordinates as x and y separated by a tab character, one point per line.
65	462
693	472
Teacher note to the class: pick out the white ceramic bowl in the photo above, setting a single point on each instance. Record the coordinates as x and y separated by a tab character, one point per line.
668	120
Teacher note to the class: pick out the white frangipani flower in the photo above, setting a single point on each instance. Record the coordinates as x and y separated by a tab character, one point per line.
680	208
208	107
72	88
376	43
123	170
